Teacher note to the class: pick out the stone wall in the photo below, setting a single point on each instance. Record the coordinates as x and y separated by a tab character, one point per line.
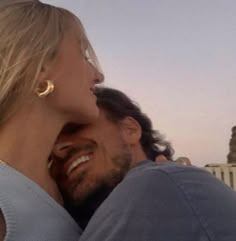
232	147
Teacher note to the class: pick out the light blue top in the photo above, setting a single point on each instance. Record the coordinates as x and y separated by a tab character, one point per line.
30	213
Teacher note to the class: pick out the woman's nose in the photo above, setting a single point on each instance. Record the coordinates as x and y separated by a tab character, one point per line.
99	77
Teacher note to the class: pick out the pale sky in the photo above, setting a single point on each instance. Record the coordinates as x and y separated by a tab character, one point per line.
177	59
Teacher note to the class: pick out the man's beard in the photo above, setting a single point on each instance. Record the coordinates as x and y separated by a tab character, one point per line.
82	210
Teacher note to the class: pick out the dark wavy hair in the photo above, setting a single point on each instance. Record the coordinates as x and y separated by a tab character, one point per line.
117	106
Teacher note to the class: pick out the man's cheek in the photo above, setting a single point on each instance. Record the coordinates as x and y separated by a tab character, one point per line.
105	152
54	171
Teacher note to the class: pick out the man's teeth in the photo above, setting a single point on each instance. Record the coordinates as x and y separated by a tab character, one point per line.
75	163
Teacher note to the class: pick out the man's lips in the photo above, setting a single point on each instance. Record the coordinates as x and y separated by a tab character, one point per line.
74	162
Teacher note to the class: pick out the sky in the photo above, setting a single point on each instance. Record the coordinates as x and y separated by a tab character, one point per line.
177	59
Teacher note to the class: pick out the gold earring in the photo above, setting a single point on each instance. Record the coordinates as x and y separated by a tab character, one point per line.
45	89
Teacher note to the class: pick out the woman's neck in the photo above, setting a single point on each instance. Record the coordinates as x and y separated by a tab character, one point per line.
26	142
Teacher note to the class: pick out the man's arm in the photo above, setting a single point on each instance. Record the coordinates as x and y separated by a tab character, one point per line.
2	227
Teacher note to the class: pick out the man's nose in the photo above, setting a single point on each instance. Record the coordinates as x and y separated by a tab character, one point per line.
62	149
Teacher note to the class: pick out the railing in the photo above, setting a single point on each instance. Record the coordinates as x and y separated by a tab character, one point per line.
224	172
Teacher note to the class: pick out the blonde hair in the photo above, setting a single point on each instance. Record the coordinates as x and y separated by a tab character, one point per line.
30	36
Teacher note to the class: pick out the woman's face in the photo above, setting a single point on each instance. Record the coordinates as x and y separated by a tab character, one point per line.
74	77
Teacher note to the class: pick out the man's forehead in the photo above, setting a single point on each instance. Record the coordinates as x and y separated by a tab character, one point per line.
72	128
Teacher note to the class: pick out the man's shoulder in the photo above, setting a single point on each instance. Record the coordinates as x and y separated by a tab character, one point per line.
154	198
151	177
147	168
168	177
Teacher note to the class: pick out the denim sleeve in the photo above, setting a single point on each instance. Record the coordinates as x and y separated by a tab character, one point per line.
146	206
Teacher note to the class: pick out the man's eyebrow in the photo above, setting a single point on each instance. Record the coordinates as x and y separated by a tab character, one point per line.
71	128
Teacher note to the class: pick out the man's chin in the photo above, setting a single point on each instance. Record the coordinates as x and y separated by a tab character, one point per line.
76	197
82	209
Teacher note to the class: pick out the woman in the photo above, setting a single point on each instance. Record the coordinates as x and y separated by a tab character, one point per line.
47	75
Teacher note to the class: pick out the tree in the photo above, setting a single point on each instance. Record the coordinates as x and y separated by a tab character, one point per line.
232	147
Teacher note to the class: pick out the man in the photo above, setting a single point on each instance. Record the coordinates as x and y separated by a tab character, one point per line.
91	160
160	201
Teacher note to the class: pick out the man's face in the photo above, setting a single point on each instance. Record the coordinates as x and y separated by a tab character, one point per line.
89	159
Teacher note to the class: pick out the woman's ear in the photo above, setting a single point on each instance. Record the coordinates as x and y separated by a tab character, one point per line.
45	85
131	130
46	73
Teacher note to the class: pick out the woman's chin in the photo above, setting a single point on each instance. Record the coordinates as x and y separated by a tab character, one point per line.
87	117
